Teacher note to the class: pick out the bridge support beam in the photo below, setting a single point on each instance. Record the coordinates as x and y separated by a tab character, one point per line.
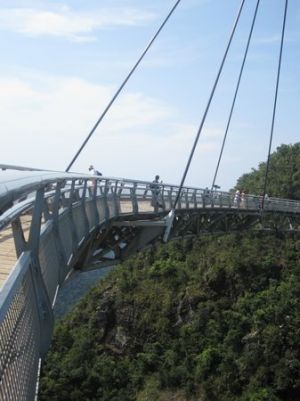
144	236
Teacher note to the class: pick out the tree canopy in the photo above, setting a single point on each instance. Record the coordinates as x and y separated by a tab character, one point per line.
214	318
283	177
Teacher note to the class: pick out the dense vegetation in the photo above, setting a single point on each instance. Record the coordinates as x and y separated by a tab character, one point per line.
283	177
214	319
210	319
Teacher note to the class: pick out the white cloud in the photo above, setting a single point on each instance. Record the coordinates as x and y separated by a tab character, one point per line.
266	40
43	125
72	103
69	24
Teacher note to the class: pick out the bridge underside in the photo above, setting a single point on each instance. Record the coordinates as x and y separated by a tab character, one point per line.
127	235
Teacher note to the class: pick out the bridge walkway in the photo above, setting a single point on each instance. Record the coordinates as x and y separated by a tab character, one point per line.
8	255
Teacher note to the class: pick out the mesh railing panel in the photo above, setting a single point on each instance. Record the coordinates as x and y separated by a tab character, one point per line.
65	234
19	338
90	213
80	222
101	208
111	206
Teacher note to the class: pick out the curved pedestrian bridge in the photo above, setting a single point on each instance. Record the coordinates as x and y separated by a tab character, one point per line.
51	223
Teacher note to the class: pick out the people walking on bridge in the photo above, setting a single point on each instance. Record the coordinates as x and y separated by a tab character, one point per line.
93	171
237	198
155	189
243	198
206	197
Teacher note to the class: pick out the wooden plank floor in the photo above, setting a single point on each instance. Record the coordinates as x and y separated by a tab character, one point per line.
8	255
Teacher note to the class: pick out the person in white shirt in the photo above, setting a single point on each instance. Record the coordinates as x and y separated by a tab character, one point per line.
93	171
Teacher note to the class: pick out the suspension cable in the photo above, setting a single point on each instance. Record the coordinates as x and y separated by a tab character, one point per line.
122	86
235	95
275	104
208	105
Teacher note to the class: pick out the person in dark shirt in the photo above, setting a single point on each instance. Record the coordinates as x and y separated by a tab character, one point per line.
155	188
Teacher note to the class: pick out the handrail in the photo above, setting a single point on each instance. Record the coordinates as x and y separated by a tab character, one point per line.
12	190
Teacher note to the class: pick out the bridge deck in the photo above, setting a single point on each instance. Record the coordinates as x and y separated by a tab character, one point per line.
8	255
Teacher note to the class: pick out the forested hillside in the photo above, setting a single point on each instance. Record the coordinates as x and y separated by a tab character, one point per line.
283	177
215	318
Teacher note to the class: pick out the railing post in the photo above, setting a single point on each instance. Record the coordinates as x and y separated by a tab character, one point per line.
170	197
83	207
220	198
179	201
135	206
20	243
71	218
246	200
119	195
194	197
62	260
203	195
163	203
116	199
47	215
76	194
106	207
94	202
155	201
187	205
43	302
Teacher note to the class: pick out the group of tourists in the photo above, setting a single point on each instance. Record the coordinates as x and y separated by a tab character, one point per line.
154	187
239	198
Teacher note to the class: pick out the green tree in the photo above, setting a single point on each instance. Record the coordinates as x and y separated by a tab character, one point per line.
283	177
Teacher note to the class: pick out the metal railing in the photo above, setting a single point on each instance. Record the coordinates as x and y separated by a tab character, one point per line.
63	211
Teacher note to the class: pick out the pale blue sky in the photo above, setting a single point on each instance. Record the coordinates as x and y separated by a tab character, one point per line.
61	61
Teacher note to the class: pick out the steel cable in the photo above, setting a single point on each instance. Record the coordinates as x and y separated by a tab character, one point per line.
274	105
208	104
122	86
235	94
